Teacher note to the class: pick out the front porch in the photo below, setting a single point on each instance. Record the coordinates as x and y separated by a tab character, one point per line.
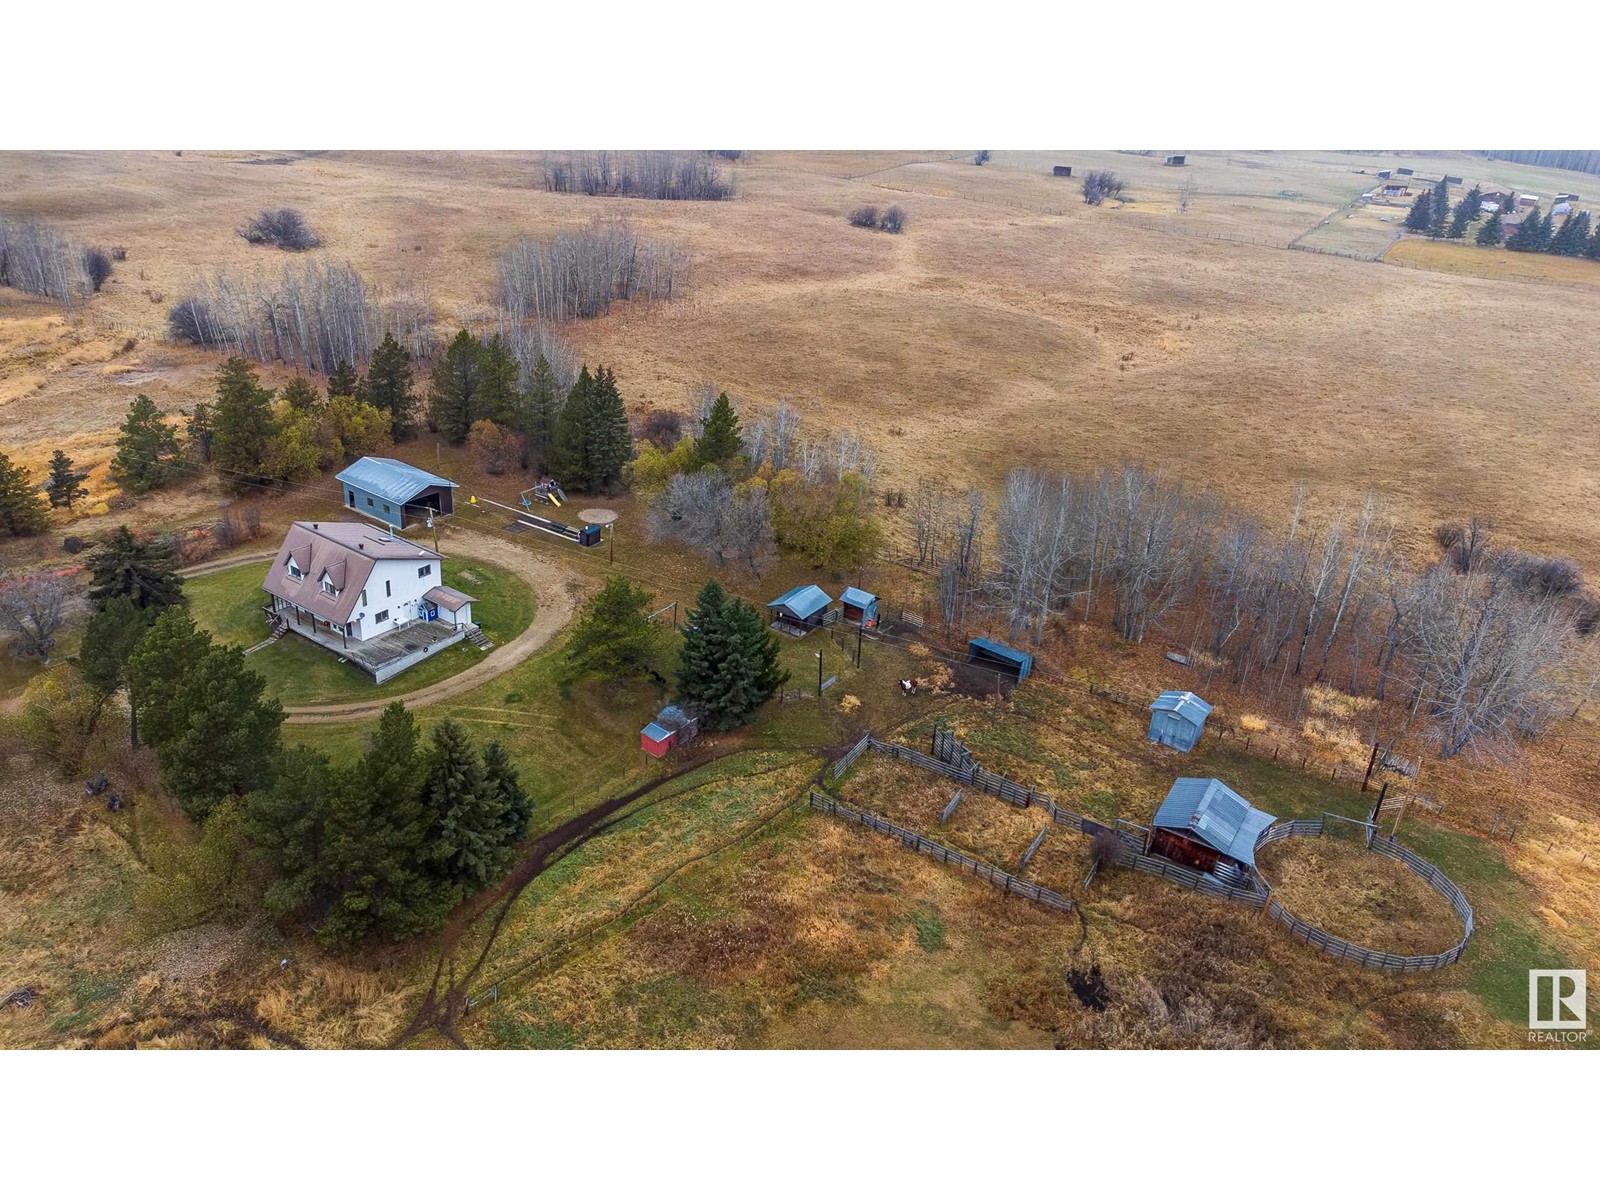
383	657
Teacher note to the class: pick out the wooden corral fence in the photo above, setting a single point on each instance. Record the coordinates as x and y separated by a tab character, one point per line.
1003	880
956	762
850	756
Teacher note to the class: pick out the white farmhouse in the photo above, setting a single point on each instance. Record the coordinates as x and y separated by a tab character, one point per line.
375	598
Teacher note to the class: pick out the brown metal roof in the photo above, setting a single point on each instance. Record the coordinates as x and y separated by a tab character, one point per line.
448	597
346	552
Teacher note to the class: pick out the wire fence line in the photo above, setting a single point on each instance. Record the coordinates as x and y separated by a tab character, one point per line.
955	761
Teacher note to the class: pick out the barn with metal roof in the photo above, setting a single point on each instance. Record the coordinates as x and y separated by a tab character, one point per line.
1204	821
860	608
801	609
395	492
1177	719
1000	658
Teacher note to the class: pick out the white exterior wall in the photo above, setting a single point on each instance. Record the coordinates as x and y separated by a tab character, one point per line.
400	600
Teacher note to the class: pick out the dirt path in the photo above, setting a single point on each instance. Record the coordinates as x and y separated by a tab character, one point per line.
556	590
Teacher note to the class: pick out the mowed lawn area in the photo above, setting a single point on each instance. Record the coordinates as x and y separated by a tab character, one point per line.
298	672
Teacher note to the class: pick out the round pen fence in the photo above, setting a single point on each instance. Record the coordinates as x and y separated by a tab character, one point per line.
955	761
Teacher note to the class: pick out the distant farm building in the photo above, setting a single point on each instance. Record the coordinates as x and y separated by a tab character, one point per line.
1000	658
1063	172
1454	180
1561	210
1177	719
1396	189
1206	825
1385	174
1404	171
800	610
395	492
860	608
1497	198
1566	196
671	728
1174	160
1527	200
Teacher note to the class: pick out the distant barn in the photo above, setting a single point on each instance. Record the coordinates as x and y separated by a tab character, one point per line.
1404	171
1454	180
1174	160
1064	172
1385	174
1000	658
1177	719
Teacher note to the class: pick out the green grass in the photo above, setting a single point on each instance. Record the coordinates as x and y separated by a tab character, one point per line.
298	672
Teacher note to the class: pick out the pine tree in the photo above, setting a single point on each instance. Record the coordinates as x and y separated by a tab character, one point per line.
452	407
1573	236
147	454
499	396
108	640
467	845
506	794
1526	235
387	386
343	380
728	666
1421	214
1493	231
23	511
1580	239
144	570
226	738
301	395
614	637
1547	233
569	455
1439	209
608	440
540	414
201	432
156	669
718	443
244	427
64	485
1593	249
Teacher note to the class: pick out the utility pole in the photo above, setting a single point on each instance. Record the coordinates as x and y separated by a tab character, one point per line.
860	630
819	672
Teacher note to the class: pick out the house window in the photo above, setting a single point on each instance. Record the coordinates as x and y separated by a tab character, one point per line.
351	497
385	508
294	570
363	597
327	586
369	501
424	571
381	617
388	587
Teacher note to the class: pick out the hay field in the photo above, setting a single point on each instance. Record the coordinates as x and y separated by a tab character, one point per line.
992	332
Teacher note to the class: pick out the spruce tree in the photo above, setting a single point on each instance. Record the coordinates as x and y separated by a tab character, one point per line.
148	455
499	396
1493	232
540	414
143	569
569	456
1593	249
201	432
301	395
23	511
614	637
728	665
227	736
64	485
1526	235
1573	236
1439	210
467	845
719	442
155	672
388	386
1546	234
244	427
343	380
608	440
452	406
1421	214
506	795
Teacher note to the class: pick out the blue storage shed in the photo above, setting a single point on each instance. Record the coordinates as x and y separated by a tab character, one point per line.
999	657
1177	719
800	609
860	608
395	492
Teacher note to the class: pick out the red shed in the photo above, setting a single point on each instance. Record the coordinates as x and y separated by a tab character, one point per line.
656	740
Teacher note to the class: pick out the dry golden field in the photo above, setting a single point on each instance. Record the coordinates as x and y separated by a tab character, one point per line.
1009	324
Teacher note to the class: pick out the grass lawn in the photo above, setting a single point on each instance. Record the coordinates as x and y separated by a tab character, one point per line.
228	603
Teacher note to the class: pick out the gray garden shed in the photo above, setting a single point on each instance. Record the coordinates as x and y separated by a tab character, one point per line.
1177	719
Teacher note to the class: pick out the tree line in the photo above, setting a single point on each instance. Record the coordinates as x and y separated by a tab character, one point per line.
1431	213
579	273
41	260
647	174
1482	642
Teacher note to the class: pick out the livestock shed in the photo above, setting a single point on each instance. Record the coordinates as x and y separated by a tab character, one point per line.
671	728
1174	160
1385	174
860	608
1205	824
1404	171
1177	719
1453	180
1063	172
800	610
395	492
999	657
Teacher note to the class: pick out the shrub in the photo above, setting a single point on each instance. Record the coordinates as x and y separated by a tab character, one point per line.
981	157
119	254
284	228
865	217
1099	186
893	219
190	321
661	427
73	544
97	266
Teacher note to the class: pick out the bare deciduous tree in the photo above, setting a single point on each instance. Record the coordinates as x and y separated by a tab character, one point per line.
284	228
649	174
580	273
1100	186
40	260
704	512
32	609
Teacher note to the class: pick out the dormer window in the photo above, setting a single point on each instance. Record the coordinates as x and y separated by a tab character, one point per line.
294	569
327	586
